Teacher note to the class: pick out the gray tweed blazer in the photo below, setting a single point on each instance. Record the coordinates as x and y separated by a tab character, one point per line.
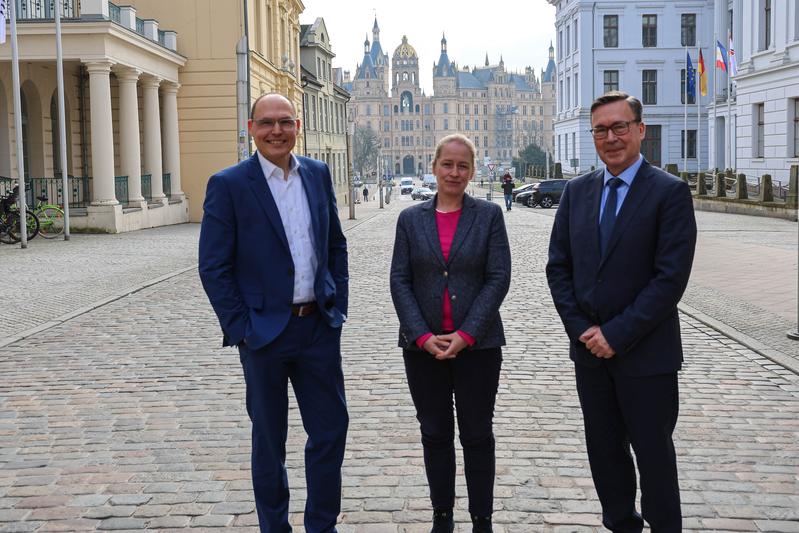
477	273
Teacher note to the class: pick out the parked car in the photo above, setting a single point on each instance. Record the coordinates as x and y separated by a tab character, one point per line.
429	181
548	193
523	188
422	193
406	185
525	197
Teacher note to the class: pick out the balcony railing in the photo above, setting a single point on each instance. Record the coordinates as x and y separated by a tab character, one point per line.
45	9
146	187
167	182
121	189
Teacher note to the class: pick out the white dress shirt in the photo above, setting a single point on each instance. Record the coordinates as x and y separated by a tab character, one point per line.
292	203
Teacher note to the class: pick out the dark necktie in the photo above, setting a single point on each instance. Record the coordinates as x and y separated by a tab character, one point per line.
608	215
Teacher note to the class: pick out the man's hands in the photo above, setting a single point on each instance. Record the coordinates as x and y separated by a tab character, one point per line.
445	346
595	341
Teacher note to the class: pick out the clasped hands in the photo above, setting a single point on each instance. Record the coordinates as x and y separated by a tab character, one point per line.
445	346
595	341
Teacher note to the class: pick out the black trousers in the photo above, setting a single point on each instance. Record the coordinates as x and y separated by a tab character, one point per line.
472	377
620	411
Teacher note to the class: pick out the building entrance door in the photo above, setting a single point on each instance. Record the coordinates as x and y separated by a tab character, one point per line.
408	168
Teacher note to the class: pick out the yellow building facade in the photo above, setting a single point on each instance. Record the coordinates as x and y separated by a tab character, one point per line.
210	100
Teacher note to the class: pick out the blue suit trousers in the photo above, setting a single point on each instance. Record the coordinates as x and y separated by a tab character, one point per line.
308	354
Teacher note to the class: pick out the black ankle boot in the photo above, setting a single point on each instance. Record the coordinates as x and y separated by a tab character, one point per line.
481	524
443	521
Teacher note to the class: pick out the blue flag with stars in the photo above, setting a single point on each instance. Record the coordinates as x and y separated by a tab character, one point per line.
690	78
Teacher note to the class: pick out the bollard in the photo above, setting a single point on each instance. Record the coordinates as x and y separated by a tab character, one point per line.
793	188
671	168
701	185
720	183
766	189
741	192
684	176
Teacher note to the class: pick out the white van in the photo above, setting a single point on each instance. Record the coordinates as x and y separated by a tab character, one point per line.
406	185
429	180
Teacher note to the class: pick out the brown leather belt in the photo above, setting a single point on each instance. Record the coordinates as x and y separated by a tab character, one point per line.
305	309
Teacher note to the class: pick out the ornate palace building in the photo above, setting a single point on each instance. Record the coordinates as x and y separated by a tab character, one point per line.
501	111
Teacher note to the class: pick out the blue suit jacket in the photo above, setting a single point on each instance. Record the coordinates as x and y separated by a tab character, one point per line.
245	262
477	273
631	291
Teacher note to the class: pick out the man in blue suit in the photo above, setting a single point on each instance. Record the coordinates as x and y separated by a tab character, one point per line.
273	262
620	255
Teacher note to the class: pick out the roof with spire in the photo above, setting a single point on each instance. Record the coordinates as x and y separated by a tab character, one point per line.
379	57
444	67
548	75
405	50
366	70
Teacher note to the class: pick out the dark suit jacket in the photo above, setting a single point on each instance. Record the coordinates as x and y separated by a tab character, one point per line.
245	262
477	273
632	291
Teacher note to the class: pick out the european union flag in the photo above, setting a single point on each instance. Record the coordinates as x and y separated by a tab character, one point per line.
690	78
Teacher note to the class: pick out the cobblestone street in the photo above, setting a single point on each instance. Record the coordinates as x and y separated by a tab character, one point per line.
124	413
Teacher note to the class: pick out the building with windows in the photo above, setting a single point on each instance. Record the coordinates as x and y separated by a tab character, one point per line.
762	135
637	47
500	111
121	80
150	117
324	126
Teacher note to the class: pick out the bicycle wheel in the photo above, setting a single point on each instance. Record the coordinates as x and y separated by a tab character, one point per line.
32	223
10	233
51	221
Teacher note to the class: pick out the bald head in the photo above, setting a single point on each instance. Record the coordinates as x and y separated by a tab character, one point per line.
271	97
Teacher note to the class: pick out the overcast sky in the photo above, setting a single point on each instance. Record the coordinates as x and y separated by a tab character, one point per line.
519	30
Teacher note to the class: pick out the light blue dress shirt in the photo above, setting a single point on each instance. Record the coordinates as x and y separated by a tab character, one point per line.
627	176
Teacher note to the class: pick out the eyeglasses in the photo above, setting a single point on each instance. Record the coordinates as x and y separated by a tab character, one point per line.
286	124
618	129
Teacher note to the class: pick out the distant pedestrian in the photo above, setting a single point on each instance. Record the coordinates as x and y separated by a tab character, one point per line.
274	267
365	194
620	255
450	329
507	189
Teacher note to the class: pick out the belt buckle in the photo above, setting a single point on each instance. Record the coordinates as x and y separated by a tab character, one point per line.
301	310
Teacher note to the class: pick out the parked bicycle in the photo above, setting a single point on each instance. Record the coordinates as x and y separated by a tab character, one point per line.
51	218
9	215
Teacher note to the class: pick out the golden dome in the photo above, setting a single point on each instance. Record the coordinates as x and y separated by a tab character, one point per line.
405	50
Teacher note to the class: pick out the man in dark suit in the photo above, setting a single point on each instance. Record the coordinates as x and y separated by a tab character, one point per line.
620	255
273	261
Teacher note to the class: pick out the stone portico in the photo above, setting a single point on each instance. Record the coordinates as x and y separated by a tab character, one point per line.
121	84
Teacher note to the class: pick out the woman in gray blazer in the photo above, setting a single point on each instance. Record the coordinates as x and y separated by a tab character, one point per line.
449	274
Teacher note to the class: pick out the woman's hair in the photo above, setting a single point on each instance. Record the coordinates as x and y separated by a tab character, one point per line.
455	138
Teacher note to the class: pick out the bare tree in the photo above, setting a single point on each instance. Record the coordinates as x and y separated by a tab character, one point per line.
365	151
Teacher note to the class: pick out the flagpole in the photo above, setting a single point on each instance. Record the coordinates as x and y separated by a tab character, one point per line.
18	126
685	113
62	127
699	110
715	110
729	109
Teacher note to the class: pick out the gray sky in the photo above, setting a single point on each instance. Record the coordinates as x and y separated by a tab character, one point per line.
519	30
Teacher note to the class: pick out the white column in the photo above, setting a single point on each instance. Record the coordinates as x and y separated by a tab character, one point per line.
172	139
129	141
102	134
152	137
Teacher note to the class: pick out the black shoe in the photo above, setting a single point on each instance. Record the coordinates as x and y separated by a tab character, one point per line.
481	524
443	521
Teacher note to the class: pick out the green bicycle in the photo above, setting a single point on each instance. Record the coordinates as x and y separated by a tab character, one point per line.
51	218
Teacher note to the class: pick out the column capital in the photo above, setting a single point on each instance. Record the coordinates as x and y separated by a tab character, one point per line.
125	73
149	81
170	86
102	66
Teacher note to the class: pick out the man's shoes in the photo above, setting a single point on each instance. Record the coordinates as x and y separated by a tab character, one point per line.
481	524
443	521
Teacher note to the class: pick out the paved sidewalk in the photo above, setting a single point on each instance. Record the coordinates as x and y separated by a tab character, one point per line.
130	416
